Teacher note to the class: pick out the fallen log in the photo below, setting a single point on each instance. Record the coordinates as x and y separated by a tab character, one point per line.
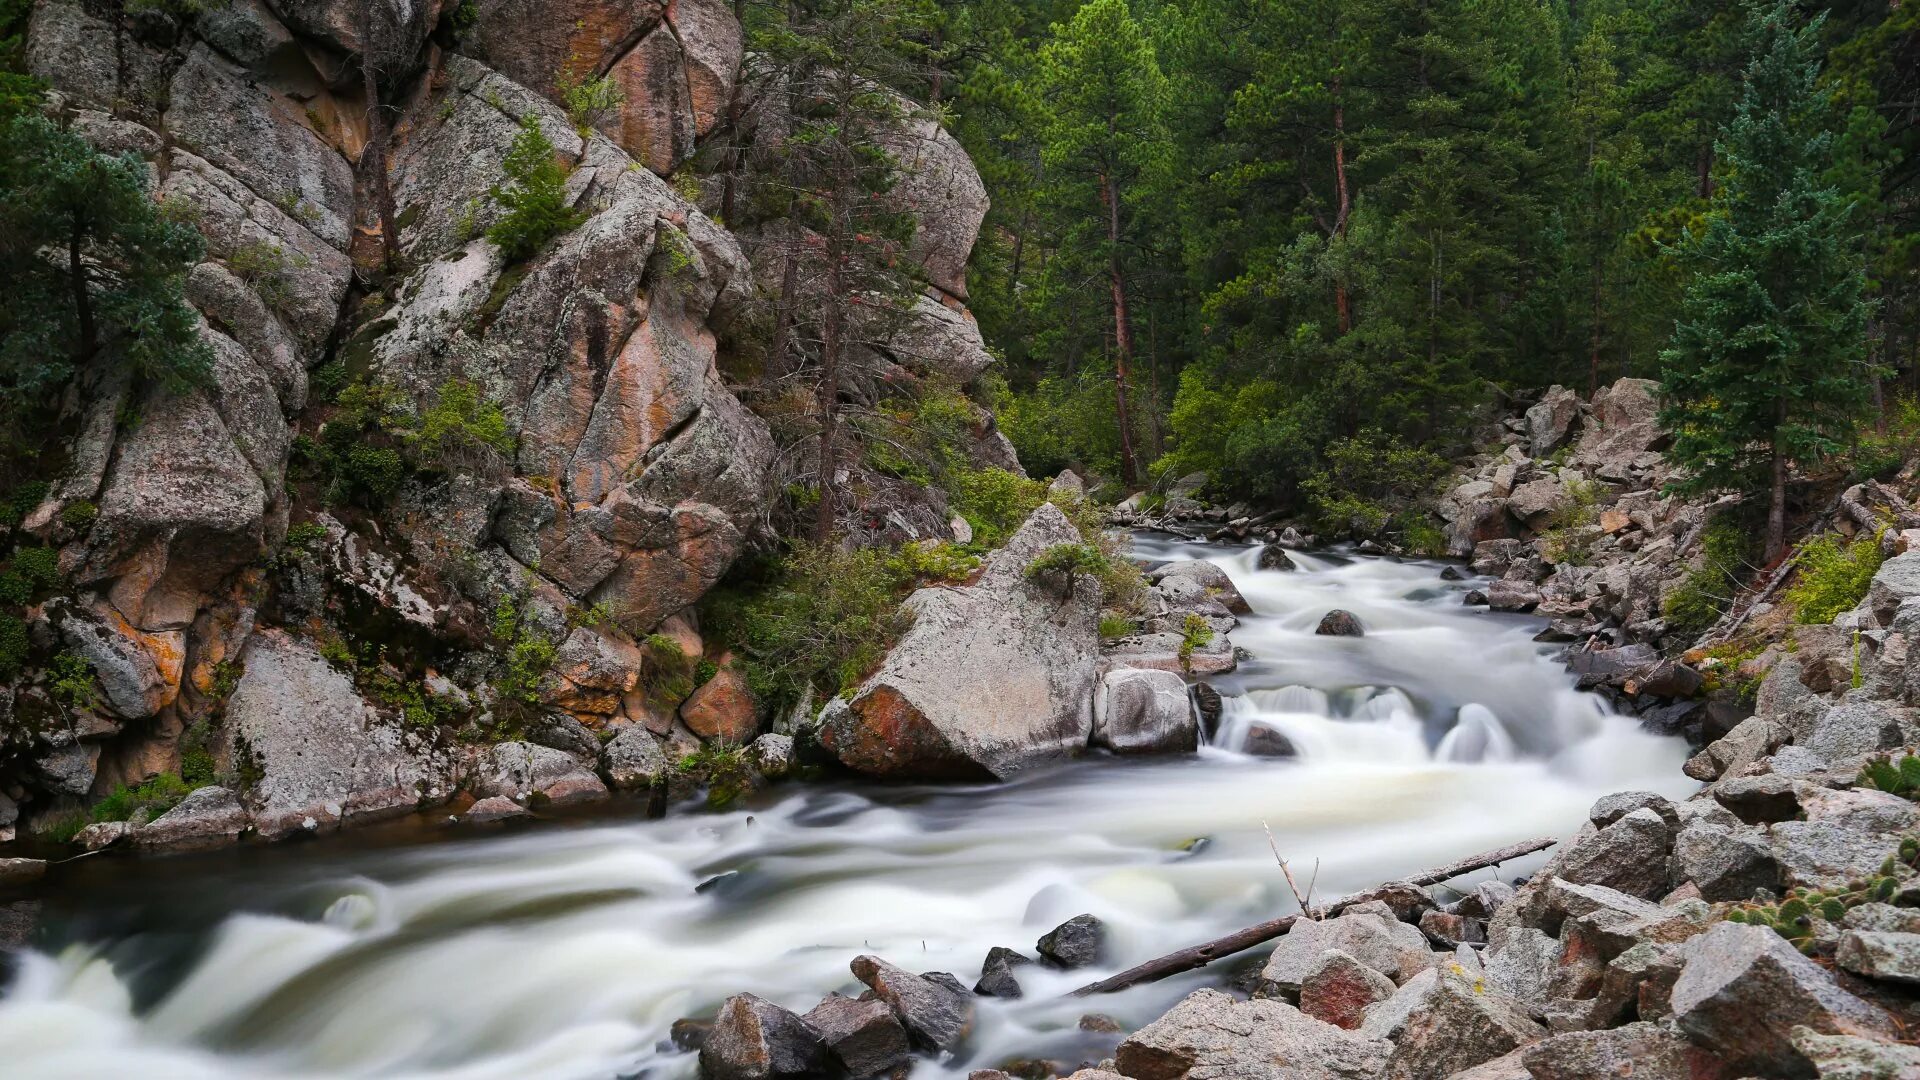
1240	940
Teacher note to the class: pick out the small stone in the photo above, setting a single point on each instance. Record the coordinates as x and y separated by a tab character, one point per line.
1474	598
1338	623
772	755
1612	808
996	974
1075	943
493	809
633	759
1101	1024
1889	956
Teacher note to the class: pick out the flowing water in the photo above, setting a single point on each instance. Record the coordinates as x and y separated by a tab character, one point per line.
568	950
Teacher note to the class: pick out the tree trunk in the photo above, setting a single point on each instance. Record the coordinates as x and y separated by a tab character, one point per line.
89	341
735	152
1122	332
1343	202
783	307
828	396
374	157
1777	500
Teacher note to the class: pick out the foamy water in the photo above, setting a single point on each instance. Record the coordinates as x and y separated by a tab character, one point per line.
567	952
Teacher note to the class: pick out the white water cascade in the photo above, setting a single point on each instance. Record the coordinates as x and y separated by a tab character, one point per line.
568	950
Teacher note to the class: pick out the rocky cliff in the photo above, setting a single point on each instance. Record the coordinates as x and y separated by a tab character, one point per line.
327	657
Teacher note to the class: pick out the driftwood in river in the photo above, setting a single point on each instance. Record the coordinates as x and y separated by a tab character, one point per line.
1207	952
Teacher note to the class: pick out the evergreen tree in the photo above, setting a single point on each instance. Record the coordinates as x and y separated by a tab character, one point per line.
1767	365
94	271
1104	137
534	196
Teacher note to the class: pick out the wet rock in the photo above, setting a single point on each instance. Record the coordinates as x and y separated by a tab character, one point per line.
104	834
1211	1034
1274	557
1374	937
1076	943
1744	990
578	786
1504	595
1643	1051
632	759
1196	584
519	770
722	708
208	817
863	1036
15	872
1338	623
1441	1022
1144	711
1474	598
937	1016
1889	956
1338	989
754	1039
1263	741
321	755
997	973
923	715
490	810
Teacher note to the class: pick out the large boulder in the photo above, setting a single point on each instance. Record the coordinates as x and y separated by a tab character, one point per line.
754	1039
207	817
1550	421
937	1015
865	1037
1209	1034
1370	934
311	753
1144	711
1443	1021
923	714
1744	990
1338	989
1624	431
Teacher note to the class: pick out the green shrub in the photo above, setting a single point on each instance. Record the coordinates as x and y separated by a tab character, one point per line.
1901	777
32	573
305	535
71	681
462	431
526	658
994	502
1420	535
936	561
588	100
268	268
724	768
1571	533
1115	626
79	515
1195	633
1832	576
1692	607
534	196
370	475
1367	481
15	644
21	501
147	800
1057	566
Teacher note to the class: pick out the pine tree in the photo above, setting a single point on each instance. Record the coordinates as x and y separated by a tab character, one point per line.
534	196
1104	137
1768	363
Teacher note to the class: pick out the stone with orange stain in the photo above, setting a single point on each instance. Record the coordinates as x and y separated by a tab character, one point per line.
723	709
536	42
656	122
138	672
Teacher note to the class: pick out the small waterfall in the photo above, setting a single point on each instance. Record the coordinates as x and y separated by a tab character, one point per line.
1477	736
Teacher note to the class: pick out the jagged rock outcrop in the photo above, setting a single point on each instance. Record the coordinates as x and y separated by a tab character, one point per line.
922	715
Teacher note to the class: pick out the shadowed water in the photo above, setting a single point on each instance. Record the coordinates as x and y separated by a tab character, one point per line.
567	951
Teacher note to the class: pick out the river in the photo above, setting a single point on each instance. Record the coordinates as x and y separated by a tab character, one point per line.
567	950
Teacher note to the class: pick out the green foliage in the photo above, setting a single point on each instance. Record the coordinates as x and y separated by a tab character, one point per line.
1057	566
31	574
724	768
1833	576
1795	916
142	802
462	430
1195	633
70	681
79	515
94	274
1116	626
589	101
994	502
15	644
1571	534
935	561
268	268
534	197
825	619
1366	481
463	17
1767	357
525	657
21	501
1692	607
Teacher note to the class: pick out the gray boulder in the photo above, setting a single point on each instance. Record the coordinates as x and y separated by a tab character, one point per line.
997	977
1524	965
1629	855
1338	623
754	1039
208	817
771	755
633	759
923	715
320	755
1896	582
1076	943
1339	988
494	808
1536	501
1643	1051
1744	990
1550	421
1725	863
1209	1034
1144	711
1889	956
938	1016
865	1037
1443	1021
1374	938
1850	1057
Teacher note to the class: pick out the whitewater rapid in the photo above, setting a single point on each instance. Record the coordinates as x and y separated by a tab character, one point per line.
567	951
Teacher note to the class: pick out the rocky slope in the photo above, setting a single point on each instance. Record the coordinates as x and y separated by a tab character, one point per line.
338	663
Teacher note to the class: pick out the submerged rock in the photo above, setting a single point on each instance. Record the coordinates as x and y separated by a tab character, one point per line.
1144	711
1338	623
937	1015
865	1037
996	973
754	1039
1076	943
